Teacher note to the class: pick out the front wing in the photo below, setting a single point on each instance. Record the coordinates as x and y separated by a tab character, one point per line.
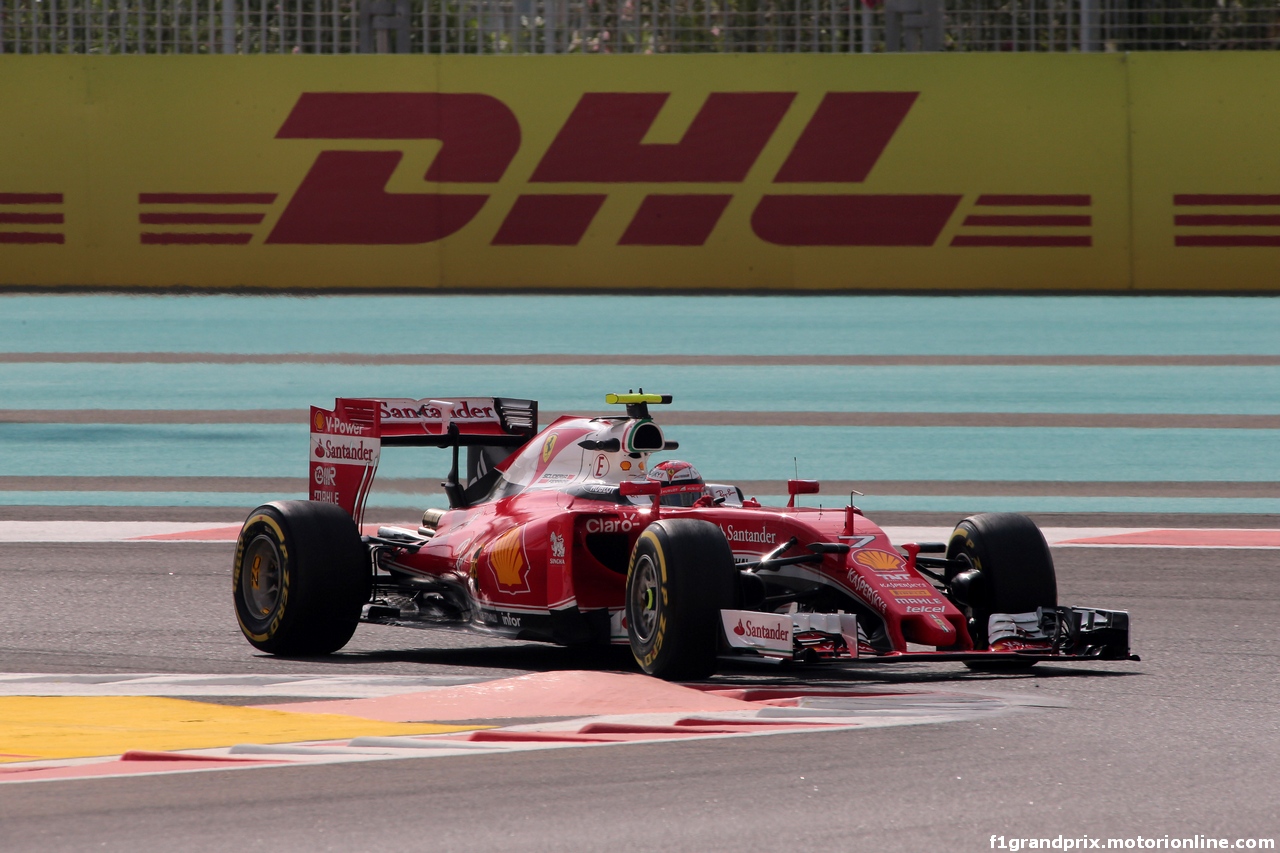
1048	633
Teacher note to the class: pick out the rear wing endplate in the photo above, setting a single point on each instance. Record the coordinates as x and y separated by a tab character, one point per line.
346	441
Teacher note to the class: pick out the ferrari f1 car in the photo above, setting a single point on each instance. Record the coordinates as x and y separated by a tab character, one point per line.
562	535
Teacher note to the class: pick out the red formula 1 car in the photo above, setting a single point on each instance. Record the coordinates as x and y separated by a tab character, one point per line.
570	536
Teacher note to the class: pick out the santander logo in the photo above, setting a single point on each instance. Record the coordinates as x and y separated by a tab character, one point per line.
759	632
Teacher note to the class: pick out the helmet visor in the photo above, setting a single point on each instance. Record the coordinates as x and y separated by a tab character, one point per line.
685	494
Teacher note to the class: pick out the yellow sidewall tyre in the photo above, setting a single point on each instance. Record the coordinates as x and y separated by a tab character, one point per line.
1016	566
300	578
680	576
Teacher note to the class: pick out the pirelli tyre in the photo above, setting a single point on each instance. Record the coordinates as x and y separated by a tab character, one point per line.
1014	570
681	575
300	578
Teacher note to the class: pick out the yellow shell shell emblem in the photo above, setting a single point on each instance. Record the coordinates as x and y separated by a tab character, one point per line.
507	559
879	561
319	422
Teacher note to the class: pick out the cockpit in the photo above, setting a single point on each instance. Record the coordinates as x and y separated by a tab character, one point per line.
588	457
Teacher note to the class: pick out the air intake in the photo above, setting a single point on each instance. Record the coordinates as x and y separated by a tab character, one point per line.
646	438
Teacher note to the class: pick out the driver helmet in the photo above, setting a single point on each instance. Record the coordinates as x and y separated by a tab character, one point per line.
681	482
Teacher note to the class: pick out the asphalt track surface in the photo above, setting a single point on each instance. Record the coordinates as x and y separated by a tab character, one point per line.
1183	743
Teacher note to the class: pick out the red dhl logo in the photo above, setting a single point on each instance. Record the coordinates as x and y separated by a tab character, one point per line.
342	200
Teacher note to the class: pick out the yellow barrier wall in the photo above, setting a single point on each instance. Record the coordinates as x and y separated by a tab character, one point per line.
1206	171
808	172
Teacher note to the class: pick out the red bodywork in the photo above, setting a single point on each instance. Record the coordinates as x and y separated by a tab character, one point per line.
518	575
542	549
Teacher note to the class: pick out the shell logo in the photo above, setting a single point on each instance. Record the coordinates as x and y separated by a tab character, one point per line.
318	422
507	559
549	447
879	561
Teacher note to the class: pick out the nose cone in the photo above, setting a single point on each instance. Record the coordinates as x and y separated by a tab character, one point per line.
928	629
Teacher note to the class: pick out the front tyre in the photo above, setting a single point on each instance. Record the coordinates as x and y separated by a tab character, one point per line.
680	577
1014	571
300	577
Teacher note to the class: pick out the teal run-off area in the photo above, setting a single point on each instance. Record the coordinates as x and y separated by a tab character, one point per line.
1137	401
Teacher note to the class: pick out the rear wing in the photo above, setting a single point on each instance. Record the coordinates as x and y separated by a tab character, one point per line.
346	441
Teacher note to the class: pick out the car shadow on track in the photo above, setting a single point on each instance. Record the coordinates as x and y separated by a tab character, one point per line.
900	675
533	657
537	657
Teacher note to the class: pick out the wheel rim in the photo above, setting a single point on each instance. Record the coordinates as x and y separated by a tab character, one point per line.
644	598
260	577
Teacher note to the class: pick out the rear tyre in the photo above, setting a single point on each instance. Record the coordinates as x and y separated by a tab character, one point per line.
300	578
680	577
1015	572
